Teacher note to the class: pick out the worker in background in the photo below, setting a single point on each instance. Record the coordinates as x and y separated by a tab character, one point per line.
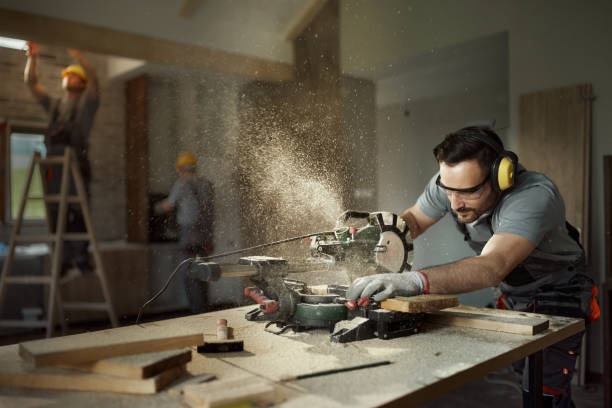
514	220
191	196
71	117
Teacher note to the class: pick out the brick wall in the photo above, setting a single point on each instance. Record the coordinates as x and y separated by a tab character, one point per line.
107	146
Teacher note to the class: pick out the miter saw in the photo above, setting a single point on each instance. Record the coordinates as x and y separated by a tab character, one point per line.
360	240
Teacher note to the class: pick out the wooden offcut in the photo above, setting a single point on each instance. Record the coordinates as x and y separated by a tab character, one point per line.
420	304
507	324
137	366
14	373
103	344
221	393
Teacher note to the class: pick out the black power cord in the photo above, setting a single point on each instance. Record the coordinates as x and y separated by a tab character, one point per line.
207	258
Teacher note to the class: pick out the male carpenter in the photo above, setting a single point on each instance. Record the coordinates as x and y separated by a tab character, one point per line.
514	220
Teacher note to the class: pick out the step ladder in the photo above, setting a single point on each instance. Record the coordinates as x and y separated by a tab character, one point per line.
55	241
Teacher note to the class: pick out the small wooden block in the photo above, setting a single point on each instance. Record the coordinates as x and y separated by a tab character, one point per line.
220	393
136	366
515	325
420	304
94	346
221	346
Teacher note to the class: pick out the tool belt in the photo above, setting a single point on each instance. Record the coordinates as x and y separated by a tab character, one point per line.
565	292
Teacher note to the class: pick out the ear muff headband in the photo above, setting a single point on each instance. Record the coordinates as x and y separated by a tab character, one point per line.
504	167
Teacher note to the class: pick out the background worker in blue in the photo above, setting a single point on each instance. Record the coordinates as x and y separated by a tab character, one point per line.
514	220
192	197
71	118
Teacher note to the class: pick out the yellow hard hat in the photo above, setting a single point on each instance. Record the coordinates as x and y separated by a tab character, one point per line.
76	70
186	159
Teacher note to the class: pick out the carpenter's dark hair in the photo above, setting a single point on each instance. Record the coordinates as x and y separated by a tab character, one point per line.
468	144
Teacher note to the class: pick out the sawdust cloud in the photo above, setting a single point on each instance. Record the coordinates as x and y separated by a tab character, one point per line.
291	181
290	184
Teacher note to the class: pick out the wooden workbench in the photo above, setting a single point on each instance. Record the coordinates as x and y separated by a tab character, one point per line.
424	366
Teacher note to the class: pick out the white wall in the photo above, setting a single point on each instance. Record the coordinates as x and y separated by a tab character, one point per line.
434	94
551	44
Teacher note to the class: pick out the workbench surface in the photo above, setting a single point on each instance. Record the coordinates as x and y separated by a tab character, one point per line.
424	366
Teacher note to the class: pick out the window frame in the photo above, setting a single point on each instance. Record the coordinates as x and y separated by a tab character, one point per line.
8	171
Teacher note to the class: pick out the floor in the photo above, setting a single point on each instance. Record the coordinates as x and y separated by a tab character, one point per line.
501	389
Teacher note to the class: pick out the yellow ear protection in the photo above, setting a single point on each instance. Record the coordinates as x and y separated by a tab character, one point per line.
504	167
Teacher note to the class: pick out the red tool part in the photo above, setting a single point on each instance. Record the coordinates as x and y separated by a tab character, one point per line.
363	301
350	304
266	305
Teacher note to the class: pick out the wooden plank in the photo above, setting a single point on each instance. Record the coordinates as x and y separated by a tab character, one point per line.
17	24
554	139
136	162
109	343
14	373
4	158
137	366
420	304
529	326
252	390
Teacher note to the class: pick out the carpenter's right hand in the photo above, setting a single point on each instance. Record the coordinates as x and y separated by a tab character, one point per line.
32	48
385	285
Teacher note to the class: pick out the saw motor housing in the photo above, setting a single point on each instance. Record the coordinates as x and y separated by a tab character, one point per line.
361	238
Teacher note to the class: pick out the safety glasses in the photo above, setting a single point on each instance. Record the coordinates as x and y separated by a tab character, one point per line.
472	193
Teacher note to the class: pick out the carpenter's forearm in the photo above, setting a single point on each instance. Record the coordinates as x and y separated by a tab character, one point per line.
469	274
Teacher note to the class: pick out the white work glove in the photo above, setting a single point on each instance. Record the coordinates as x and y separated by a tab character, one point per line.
385	285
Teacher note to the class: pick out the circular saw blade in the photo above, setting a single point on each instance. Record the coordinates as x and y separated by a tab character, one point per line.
391	252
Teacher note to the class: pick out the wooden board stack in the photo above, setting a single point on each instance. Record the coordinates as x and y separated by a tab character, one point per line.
107	360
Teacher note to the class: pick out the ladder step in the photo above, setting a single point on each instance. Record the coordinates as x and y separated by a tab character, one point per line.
67	236
27	280
55	198
23	323
52	160
102	306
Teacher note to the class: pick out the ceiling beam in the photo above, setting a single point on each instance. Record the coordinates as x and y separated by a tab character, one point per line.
64	33
303	20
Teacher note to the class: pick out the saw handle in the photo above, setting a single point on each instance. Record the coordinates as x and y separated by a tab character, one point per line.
363	301
266	305
353	214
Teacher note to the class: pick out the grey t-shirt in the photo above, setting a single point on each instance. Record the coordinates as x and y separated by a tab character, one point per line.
190	196
80	112
533	209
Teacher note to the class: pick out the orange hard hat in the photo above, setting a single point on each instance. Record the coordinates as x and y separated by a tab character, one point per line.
76	70
186	159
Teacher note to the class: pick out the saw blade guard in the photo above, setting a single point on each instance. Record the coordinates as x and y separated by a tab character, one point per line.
391	251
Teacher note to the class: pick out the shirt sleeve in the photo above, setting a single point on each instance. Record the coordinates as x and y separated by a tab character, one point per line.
433	201
530	213
176	192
